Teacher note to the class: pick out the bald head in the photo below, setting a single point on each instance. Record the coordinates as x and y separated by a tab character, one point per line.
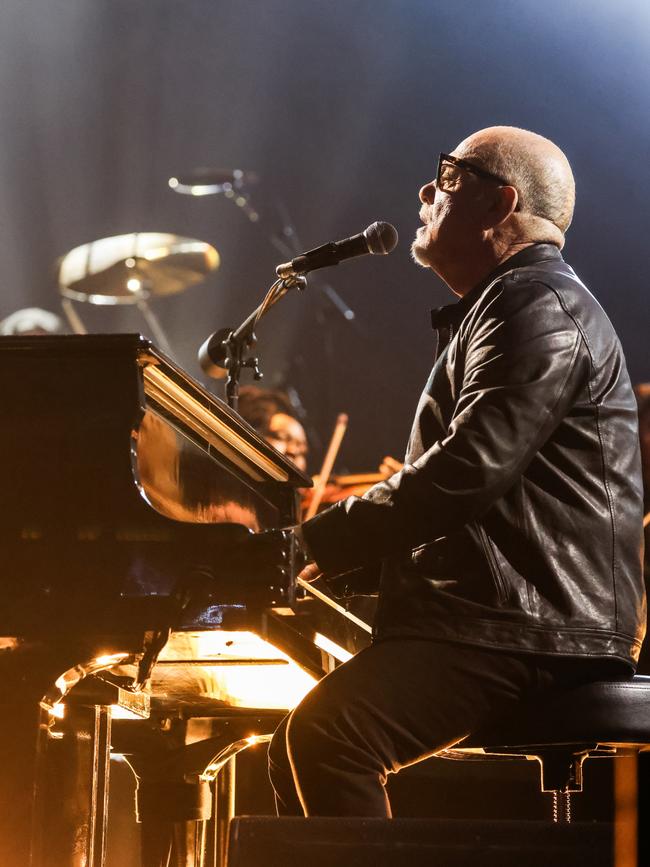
539	171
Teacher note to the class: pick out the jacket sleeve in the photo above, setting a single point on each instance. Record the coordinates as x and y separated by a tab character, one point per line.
520	368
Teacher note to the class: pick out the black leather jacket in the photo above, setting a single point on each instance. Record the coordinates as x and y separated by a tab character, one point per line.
516	522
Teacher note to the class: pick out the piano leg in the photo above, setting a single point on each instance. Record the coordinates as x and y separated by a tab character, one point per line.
157	839
224	810
23	746
178	784
53	791
76	787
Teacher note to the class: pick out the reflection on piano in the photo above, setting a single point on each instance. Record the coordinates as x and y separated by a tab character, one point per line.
149	605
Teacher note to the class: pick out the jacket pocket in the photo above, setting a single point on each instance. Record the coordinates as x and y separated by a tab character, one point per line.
497	575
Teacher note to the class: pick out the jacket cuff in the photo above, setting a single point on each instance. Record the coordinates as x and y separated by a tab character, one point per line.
329	541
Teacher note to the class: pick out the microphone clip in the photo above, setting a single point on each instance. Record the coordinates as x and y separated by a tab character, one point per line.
225	353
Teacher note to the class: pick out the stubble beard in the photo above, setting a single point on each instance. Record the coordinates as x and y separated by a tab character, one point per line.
419	253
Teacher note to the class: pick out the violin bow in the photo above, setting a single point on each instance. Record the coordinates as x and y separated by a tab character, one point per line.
332	451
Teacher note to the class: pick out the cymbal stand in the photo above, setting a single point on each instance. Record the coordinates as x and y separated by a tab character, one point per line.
286	241
157	332
154	324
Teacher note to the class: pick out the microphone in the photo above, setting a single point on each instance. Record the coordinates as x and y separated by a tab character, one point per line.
378	239
213	353
209	182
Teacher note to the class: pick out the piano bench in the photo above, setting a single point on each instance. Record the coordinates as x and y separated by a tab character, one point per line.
564	727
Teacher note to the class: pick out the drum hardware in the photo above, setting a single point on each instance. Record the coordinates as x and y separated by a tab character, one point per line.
130	269
231	183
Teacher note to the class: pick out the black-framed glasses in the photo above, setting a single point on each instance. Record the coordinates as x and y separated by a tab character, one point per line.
447	176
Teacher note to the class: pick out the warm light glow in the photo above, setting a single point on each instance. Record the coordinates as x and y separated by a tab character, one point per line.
281	687
110	659
64	683
259	674
61	683
332	648
133	284
58	710
119	712
229	752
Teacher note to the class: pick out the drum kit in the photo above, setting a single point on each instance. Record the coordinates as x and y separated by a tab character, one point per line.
134	268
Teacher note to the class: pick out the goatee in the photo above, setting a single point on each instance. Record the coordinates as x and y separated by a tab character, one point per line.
418	254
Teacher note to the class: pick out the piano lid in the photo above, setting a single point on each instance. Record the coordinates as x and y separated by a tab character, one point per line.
169	390
212	421
122	476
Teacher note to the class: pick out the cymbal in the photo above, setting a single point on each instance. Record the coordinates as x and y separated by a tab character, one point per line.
126	269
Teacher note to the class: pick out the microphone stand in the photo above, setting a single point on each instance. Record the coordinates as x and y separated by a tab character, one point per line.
226	348
234	186
229	349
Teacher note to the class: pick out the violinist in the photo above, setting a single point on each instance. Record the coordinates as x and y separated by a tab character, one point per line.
270	412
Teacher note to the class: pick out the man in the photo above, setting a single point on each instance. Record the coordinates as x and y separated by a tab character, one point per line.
510	541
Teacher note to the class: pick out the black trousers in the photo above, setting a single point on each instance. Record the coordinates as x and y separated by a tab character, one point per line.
395	703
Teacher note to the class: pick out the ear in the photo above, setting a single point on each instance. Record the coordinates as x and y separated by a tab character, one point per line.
503	205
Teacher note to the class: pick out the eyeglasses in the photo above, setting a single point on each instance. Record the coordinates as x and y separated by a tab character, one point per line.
447	176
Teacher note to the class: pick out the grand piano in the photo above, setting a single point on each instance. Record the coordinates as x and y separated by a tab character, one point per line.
149	603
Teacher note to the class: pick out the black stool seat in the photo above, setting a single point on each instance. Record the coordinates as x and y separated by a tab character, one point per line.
563	727
611	712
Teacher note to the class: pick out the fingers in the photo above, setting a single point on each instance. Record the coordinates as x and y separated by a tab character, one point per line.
311	572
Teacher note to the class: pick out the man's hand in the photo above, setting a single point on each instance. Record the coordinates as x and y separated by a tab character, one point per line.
311	572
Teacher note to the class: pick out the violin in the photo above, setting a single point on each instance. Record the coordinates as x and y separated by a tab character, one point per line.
340	487
330	489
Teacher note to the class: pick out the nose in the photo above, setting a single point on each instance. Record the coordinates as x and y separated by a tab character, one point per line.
428	193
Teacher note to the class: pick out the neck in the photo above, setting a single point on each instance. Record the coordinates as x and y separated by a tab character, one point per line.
476	268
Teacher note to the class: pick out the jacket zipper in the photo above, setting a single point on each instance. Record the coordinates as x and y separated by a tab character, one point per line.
492	563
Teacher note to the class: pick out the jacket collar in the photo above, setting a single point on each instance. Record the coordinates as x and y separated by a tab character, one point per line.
452	315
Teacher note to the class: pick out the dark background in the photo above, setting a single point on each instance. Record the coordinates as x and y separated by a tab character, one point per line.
341	108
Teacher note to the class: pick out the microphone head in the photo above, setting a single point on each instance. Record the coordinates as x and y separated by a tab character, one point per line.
381	238
213	354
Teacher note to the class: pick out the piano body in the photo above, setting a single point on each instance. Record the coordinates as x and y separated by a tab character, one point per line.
148	600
